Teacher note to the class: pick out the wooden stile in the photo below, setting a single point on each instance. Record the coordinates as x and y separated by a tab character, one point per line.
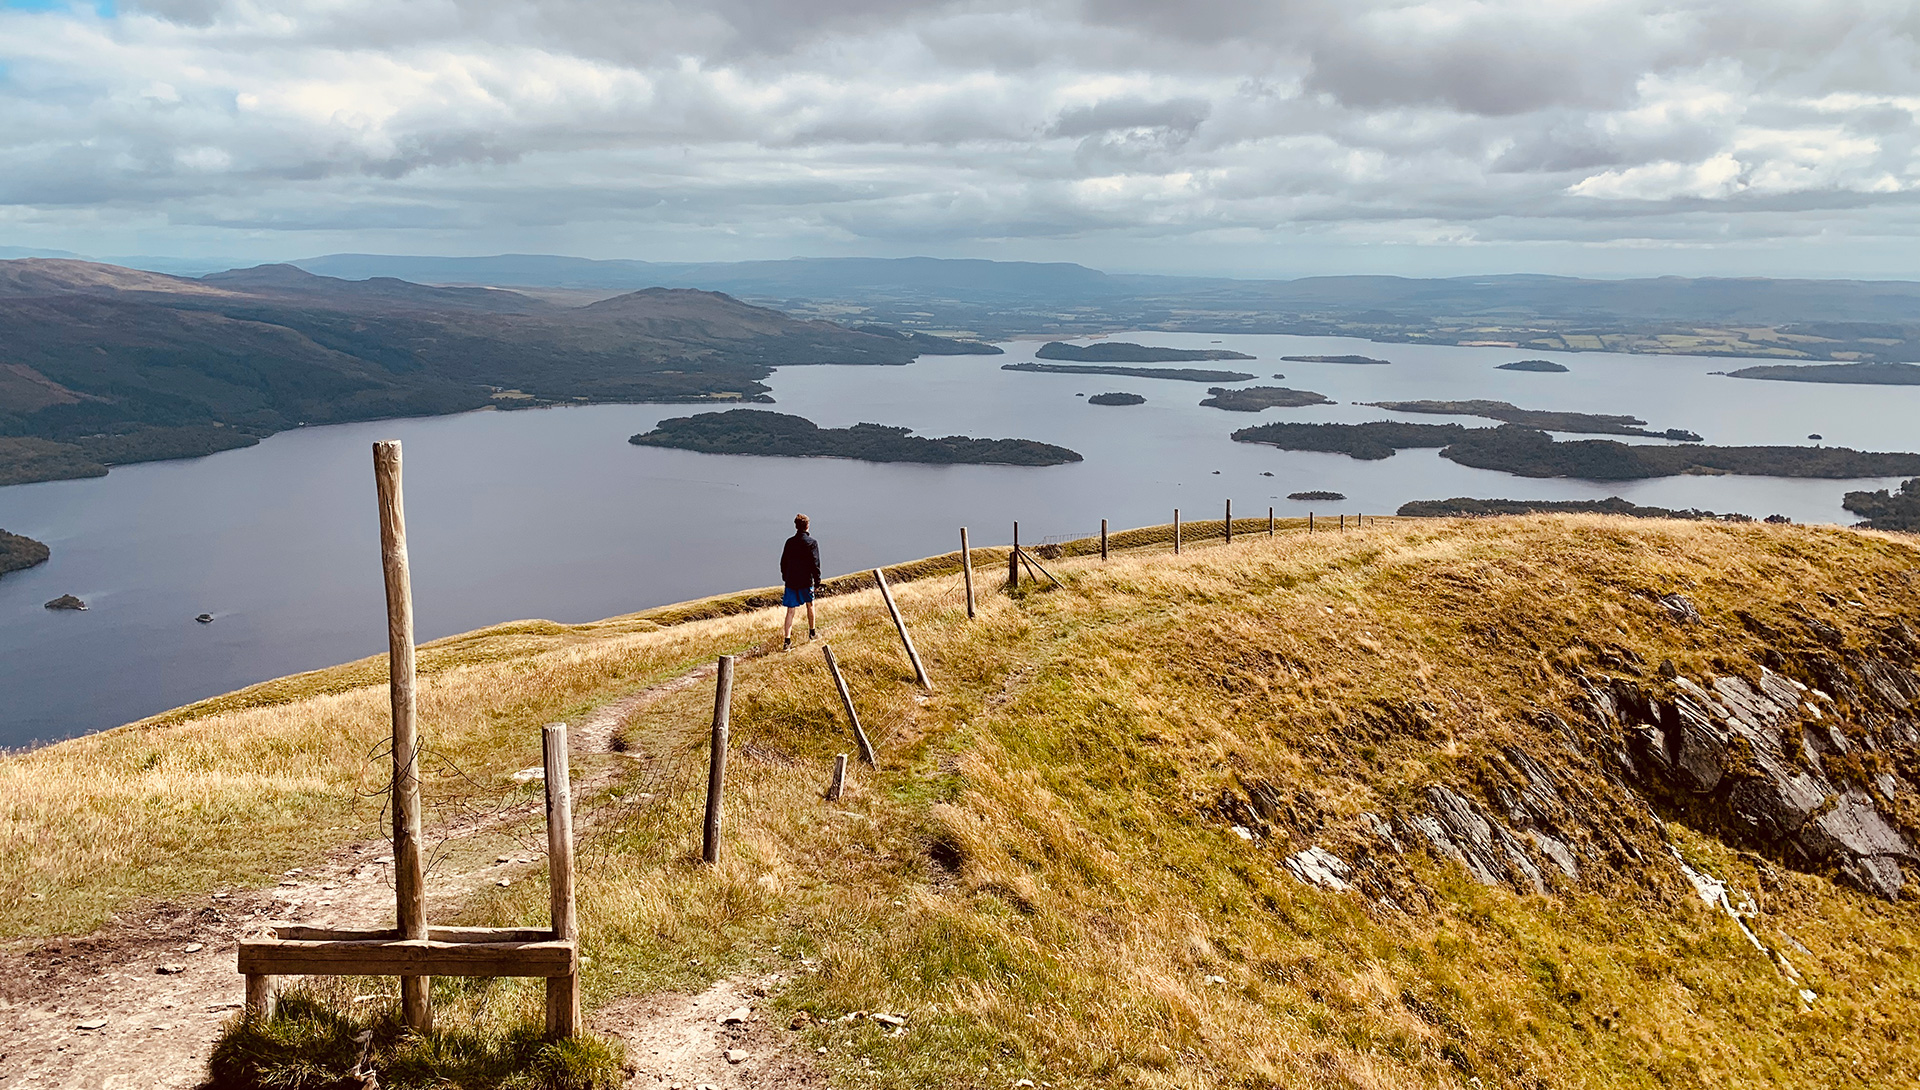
408	874
899	622
966	569
846	699
717	761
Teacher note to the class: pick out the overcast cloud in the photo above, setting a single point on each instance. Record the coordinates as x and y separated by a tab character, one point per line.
1605	136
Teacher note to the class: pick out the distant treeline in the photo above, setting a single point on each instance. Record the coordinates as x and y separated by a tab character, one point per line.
1526	452
1183	374
757	431
1127	352
1462	507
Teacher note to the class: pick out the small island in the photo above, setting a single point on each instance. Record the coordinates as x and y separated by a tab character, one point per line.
1116	399
1252	399
1543	419
1127	352
1462	507
1361	360
1862	374
1525	452
18	552
1885	510
67	602
1545	367
757	431
1182	374
1316	495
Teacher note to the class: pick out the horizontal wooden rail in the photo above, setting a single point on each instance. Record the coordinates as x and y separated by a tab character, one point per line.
407	957
436	934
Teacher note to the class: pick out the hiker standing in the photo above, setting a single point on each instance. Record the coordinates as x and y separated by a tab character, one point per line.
800	571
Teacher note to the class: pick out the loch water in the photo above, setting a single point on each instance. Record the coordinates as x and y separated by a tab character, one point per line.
551	513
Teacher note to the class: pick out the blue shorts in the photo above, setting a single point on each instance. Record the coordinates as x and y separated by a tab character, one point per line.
798	596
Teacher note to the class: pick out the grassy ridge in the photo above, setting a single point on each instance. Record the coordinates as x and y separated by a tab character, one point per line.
1038	874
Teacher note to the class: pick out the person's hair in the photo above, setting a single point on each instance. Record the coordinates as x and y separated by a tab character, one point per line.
799	522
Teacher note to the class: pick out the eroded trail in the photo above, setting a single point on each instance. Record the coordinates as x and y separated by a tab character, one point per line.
139	1003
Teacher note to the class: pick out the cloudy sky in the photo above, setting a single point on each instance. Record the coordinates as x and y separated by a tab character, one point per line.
1279	138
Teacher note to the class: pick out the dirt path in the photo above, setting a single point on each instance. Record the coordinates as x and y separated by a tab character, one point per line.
137	1004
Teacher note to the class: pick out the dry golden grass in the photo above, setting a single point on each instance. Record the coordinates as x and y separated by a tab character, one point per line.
1036	873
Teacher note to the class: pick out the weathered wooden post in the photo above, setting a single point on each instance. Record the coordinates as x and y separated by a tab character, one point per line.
717	760
839	785
1013	561
1229	522
563	992
846	699
1103	539
1309	522
1343	523
966	569
408	877
919	671
1269	522
1176	531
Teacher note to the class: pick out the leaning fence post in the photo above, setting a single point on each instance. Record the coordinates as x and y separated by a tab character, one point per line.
1013	561
1229	522
1103	539
839	784
1176	531
899	622
563	992
408	875
717	760
966	569
846	699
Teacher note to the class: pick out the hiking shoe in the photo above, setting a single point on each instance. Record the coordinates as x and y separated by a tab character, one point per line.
813	634
789	645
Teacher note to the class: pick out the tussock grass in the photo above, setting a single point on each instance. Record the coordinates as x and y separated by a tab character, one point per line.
1038	874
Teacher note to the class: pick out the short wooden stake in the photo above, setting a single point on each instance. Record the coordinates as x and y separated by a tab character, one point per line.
846	699
1013	561
1269	522
563	992
1176	531
1229	522
839	785
717	761
1103	539
919	671
408	875
260	988
966	569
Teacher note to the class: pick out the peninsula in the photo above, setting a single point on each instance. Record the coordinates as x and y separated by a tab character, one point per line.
1252	399
1888	511
1545	367
18	552
1116	399
1128	352
1854	374
1525	452
1363	360
1545	420
757	431
1183	374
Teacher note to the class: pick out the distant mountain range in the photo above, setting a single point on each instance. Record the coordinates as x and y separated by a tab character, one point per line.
1786	319
105	364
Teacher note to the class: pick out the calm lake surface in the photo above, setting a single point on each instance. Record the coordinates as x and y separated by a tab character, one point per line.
551	513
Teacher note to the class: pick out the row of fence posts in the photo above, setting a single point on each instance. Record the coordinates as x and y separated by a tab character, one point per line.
1016	557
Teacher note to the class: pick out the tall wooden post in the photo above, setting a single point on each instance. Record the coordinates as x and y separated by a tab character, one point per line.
966	569
1309	522
1103	539
408	877
1013	561
1269	522
846	699
1229	522
1176	531
563	992
1343	523
717	760
899	622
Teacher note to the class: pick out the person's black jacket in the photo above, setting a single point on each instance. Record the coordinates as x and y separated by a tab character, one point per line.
800	561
